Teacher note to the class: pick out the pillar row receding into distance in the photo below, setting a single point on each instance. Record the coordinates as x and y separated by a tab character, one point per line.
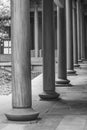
21	67
75	45
61	43
69	37
48	52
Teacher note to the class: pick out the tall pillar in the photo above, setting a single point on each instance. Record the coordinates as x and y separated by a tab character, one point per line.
48	51
21	66
69	37
78	31
75	46
86	36
61	38
36	44
82	37
84	29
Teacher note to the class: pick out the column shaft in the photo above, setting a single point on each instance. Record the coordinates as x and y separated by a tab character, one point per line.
36	31
69	37
48	51
75	46
21	66
78	31
61	43
82	37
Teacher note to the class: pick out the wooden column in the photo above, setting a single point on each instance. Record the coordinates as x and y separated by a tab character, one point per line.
36	44
75	46
69	37
78	31
48	51
61	43
21	66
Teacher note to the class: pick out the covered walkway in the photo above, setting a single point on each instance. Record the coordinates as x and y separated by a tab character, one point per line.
68	113
48	102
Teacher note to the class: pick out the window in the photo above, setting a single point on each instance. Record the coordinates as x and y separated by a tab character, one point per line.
7	47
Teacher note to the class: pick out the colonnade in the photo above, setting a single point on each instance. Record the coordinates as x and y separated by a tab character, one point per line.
68	40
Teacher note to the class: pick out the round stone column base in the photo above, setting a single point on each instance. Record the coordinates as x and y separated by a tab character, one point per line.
85	60
71	72
82	59
79	60
22	114
76	65
46	95
62	81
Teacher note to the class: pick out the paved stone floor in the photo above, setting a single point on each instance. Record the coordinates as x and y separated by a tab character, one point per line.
67	113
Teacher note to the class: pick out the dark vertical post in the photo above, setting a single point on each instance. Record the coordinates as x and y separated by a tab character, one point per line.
48	51
75	45
61	43
69	37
